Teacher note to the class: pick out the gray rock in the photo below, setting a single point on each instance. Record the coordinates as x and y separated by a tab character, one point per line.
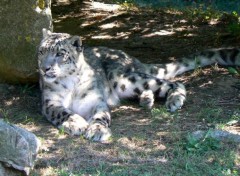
20	33
217	134
7	171
18	148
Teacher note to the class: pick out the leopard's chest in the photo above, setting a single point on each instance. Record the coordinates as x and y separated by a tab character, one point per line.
82	97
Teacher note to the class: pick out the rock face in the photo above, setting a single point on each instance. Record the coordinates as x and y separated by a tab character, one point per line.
20	34
217	134
18	150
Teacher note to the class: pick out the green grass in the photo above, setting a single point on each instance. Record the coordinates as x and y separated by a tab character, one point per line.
183	163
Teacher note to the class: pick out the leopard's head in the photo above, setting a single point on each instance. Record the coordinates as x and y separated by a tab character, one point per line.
58	54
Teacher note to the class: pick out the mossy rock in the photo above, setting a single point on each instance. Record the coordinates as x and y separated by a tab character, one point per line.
20	34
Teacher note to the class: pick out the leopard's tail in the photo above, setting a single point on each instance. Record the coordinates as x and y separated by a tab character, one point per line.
222	56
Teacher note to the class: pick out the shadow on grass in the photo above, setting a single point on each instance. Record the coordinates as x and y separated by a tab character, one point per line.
141	144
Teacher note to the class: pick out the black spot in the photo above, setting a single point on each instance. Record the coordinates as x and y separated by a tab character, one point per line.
84	95
52	119
223	55
56	82
159	82
47	101
115	85
49	88
64	86
128	70
171	85
157	92
58	123
234	53
63	119
146	85
100	121
53	116
183	95
47	110
106	120
123	87
59	116
132	79
64	113
137	91
110	76
143	76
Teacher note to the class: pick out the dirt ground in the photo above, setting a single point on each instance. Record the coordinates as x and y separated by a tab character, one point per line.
153	36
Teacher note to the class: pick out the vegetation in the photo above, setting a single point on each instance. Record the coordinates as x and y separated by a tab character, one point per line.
145	142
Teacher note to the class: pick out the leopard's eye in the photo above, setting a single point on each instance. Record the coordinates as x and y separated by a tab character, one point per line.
59	54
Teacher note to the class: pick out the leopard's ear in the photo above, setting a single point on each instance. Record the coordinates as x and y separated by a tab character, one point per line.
46	33
76	42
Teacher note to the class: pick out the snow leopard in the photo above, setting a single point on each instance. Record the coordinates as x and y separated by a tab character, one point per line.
79	86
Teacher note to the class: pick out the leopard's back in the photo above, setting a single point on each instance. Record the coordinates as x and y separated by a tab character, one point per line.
115	61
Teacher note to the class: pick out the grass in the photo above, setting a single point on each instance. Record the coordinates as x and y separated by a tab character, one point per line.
145	142
212	162
152	142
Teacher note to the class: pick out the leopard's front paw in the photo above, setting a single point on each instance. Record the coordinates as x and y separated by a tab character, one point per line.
175	103
98	132
75	125
176	98
147	99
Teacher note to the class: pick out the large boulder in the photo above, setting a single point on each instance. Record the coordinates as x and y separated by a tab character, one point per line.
18	150
20	33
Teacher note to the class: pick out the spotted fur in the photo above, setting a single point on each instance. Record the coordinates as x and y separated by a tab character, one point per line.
80	85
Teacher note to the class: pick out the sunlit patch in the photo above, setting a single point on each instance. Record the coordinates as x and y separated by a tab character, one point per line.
143	122
159	33
206	84
110	25
10	102
183	21
102	37
120	35
174	12
213	21
105	7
